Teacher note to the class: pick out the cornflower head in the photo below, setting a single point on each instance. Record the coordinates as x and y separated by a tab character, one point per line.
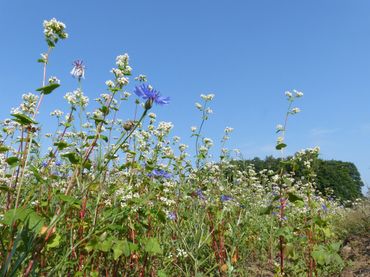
78	70
151	96
160	173
225	198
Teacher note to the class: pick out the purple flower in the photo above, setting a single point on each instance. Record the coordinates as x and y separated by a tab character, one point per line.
58	163
200	194
172	216
160	173
324	207
225	198
44	164
78	70
151	96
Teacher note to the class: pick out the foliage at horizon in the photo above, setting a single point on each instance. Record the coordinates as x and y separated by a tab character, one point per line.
334	178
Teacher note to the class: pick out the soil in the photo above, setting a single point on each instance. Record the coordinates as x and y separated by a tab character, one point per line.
356	252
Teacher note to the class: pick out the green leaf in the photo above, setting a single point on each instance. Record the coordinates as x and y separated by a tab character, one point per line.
72	157
12	161
105	138
76	203
48	89
6	188
91	245
294	198
267	210
61	144
280	146
23	119
104	110
54	243
152	246
161	273
121	247
3	149
105	245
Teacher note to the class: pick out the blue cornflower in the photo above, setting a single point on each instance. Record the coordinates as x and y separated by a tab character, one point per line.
200	194
171	216
44	164
151	96
160	173
225	198
58	163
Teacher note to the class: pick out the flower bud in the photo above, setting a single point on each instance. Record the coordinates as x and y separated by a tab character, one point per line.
148	104
128	125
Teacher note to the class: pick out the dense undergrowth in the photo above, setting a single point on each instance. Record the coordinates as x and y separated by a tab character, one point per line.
107	197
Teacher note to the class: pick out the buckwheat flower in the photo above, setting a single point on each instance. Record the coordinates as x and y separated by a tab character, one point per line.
53	31
117	72
122	60
280	140
78	70
152	115
122	81
207	97
208	142
209	111
225	198
151	96
141	78
298	94
295	110
54	80
110	83
126	94
279	128
160	173
198	106
228	130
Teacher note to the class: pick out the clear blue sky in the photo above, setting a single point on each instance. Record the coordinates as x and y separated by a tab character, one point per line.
246	52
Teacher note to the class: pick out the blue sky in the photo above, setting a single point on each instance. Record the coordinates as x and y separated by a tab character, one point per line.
246	52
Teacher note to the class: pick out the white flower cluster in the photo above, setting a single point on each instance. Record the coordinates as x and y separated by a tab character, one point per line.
77	97
53	31
208	97
57	113
53	80
28	105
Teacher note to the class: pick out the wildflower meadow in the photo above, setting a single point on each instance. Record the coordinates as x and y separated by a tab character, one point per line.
103	196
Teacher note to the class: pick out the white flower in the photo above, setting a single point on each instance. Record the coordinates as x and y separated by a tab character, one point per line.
54	80
279	128
110	83
193	128
57	113
54	30
288	94
295	110
298	93
207	97
228	130
198	106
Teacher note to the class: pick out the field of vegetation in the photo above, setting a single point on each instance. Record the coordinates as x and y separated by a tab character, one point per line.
107	197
